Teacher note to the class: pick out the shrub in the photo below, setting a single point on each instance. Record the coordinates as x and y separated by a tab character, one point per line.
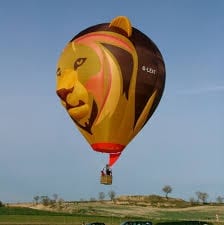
1	204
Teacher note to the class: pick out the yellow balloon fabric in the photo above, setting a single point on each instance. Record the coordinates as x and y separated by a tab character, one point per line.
110	79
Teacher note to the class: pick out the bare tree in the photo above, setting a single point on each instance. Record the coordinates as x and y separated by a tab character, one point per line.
101	196
45	200
36	199
198	194
55	197
202	196
219	199
111	195
192	200
167	189
60	202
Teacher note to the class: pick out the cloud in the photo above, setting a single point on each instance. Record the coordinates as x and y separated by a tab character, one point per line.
202	90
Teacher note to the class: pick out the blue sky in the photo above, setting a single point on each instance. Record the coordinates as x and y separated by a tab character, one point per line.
42	152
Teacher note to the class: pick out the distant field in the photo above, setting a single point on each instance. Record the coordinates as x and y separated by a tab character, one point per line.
110	213
15	215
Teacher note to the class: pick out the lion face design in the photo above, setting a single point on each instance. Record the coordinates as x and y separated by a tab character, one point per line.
76	66
89	80
74	96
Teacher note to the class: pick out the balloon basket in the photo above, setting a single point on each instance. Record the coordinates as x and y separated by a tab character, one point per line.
106	179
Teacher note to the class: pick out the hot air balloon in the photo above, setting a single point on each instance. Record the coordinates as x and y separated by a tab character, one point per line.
110	79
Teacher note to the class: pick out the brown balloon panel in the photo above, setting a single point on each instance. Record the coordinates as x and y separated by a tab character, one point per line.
110	79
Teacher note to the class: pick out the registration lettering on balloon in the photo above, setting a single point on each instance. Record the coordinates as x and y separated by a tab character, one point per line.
149	70
103	84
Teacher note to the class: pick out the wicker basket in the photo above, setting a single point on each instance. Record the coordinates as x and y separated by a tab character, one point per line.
106	179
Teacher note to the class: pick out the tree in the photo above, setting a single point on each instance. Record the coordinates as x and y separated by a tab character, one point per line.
192	200
167	189
101	196
55	198
1	204
45	200
198	194
36	199
92	199
202	196
111	195
59	204
219	199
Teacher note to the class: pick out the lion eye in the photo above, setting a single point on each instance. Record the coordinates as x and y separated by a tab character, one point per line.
79	62
58	72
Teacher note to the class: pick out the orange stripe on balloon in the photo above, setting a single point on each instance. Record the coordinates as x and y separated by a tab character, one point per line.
105	38
108	147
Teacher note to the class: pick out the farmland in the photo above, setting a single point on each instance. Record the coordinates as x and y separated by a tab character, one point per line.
162	212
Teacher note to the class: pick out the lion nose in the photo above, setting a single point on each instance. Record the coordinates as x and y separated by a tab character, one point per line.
62	93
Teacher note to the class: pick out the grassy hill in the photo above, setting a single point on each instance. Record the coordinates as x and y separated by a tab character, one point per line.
153	200
158	209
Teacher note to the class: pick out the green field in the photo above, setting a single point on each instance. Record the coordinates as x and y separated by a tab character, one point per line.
26	216
19	215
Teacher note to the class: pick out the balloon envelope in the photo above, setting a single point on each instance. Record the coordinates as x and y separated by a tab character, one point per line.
110	79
